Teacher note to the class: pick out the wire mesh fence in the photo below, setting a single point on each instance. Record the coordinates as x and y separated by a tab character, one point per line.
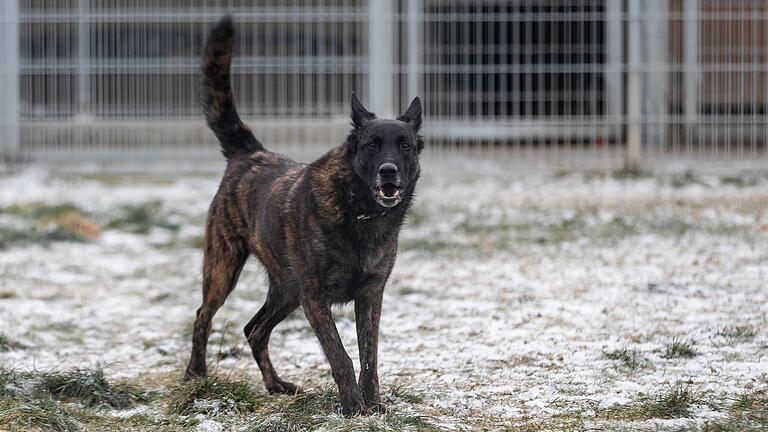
578	83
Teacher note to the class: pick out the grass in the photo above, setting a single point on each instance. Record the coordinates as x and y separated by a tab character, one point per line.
686	178
8	344
41	415
741	180
403	393
484	231
90	388
140	218
39	210
42	223
10	236
752	407
748	413
679	348
45	223
67	331
674	402
405	290
629	358
214	395
736	334
631	173
59	400
311	410
320	409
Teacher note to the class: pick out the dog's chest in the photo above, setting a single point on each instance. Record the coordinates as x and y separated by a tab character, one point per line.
354	269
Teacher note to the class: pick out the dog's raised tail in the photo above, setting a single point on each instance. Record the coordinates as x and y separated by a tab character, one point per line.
218	103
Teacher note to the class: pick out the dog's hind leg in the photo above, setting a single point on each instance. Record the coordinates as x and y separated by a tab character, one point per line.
276	308
222	263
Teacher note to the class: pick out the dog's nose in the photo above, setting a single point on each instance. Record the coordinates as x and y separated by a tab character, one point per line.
388	171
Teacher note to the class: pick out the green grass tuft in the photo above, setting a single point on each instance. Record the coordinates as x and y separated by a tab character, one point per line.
631	173
630	358
737	334
140	218
679	348
213	395
40	210
740	180
89	387
675	402
86	386
686	178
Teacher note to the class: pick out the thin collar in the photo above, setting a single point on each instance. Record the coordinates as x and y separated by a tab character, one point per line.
366	216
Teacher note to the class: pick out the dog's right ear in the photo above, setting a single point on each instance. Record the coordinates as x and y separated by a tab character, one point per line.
412	115
360	115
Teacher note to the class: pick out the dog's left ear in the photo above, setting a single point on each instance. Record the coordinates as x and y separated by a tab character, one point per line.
412	115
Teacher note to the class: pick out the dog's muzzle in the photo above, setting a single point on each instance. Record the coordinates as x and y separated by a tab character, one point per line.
388	190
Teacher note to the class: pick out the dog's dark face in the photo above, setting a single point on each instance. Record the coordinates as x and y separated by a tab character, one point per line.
385	153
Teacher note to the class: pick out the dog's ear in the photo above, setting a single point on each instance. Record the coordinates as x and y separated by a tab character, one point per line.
360	115
412	115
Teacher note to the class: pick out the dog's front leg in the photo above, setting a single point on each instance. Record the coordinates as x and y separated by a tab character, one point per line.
367	316
320	318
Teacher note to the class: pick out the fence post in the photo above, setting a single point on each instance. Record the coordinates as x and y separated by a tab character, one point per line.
381	57
84	59
614	66
634	154
414	48
10	106
691	59
655	76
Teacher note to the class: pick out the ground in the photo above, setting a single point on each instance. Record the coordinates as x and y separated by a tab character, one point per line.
570	301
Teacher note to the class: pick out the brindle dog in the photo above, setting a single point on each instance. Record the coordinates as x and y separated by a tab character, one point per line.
326	232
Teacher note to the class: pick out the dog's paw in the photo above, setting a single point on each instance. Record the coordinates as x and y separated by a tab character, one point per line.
193	373
354	406
279	386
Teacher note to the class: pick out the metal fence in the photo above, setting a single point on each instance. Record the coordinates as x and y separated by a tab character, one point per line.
583	83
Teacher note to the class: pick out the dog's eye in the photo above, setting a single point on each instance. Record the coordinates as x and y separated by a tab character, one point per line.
405	145
373	145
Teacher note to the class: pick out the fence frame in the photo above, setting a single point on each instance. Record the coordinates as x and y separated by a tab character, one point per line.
636	70
10	94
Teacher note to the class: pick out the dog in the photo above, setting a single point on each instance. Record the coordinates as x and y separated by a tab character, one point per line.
326	232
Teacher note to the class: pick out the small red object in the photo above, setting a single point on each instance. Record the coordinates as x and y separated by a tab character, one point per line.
599	142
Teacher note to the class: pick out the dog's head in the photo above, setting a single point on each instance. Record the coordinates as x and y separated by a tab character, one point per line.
385	153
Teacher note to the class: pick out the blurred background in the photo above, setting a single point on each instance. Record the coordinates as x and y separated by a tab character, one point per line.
566	84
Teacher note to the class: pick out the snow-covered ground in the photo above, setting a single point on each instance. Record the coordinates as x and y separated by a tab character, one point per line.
509	295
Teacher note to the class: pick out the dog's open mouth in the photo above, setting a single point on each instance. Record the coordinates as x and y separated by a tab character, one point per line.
388	194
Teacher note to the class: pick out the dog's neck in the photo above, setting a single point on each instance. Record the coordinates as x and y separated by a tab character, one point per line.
342	197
